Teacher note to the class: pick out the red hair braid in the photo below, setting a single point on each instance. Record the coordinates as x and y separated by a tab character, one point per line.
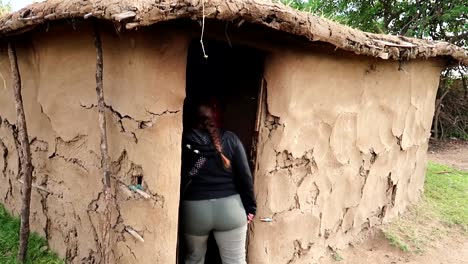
210	126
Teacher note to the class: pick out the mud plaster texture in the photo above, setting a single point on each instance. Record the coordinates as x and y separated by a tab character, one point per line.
342	145
343	148
144	82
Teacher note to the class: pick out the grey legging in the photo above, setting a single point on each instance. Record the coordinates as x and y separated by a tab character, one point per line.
227	219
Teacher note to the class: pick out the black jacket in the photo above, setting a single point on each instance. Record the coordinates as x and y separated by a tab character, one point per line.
203	175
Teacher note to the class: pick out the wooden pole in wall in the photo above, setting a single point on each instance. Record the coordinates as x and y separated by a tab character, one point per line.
26	165
106	228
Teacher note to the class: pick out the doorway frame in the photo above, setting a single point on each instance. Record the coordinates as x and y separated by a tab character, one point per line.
260	116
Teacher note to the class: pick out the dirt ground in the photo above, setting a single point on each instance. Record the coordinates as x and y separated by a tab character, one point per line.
451	152
451	249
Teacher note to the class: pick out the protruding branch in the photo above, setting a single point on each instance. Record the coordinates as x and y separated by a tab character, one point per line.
105	164
26	165
134	234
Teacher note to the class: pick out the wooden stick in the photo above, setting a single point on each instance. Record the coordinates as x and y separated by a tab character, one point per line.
30	18
124	15
144	194
402	45
36	186
124	188
134	234
105	245
25	154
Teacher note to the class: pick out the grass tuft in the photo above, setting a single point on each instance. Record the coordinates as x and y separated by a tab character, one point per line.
38	252
396	241
337	256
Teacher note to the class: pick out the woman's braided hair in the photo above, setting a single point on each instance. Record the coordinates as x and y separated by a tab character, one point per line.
210	124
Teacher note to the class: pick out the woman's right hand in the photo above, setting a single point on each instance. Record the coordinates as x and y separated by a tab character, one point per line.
250	218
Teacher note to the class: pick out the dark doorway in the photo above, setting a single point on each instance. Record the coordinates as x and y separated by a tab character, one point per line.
233	76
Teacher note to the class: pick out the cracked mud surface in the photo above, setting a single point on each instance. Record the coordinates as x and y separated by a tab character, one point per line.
335	162
144	137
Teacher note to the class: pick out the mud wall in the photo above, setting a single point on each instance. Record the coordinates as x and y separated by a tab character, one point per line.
144	83
342	148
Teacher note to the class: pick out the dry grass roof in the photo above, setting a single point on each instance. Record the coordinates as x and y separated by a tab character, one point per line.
138	13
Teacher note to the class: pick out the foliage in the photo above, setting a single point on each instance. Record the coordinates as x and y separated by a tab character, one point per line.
4	8
443	209
434	19
451	117
38	252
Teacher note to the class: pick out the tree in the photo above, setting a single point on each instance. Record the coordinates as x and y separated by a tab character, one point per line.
433	19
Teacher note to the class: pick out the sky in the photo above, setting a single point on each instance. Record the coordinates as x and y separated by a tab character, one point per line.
18	4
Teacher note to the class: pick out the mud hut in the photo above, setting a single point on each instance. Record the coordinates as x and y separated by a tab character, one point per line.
338	120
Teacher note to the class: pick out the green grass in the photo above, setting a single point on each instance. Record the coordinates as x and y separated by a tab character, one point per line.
38	252
337	256
443	209
446	190
396	241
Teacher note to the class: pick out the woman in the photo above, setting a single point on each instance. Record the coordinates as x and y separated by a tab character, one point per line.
217	191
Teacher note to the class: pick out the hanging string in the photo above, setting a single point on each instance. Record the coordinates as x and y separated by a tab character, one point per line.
203	30
227	35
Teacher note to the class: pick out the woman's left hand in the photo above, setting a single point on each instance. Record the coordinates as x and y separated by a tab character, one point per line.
250	218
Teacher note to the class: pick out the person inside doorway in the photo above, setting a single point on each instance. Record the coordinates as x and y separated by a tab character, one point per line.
217	191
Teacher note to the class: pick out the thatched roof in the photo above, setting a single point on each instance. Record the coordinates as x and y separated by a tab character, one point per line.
138	13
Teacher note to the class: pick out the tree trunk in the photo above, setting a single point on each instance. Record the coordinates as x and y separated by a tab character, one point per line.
26	165
105	245
465	84
437	113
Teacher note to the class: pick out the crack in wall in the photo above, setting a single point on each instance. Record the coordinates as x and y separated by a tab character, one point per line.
14	132
44	113
316	193
38	145
71	240
391	189
5	171
125	171
339	225
399	139
285	160
299	250
4	156
374	156
74	161
9	191
75	143
131	251
93	208
163	113
141	124
320	224
382	212
271	123
45	211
